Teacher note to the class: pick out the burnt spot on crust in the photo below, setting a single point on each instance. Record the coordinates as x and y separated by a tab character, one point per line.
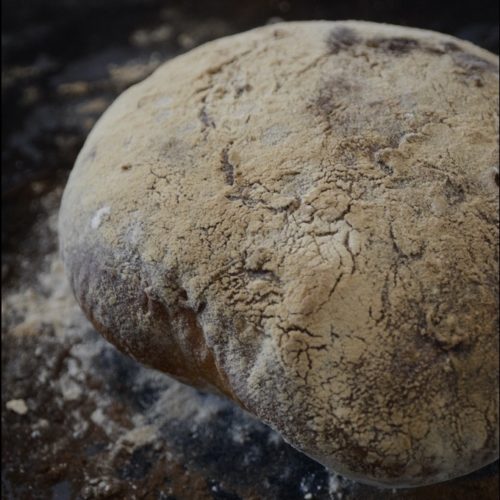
453	192
451	47
469	64
241	89
472	64
341	38
333	92
396	46
495	175
205	118
227	167
385	167
434	49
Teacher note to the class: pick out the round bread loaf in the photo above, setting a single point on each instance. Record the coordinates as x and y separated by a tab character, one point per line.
304	217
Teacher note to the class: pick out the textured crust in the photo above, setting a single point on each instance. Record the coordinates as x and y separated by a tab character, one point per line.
305	218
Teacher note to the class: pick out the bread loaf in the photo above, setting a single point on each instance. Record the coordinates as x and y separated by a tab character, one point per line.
304	218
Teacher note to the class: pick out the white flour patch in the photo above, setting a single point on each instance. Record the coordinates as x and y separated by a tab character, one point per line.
98	216
17	406
162	106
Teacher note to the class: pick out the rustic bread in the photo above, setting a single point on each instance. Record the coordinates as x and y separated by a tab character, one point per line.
304	217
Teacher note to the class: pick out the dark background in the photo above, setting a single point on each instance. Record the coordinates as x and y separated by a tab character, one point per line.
63	63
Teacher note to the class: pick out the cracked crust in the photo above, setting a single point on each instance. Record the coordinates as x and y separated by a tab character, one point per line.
304	217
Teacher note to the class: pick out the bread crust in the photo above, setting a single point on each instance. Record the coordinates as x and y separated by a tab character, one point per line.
304	217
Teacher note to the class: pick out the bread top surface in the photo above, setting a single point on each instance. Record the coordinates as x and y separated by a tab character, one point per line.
305	217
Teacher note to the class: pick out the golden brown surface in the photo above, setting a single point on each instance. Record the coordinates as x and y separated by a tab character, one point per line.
305	217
